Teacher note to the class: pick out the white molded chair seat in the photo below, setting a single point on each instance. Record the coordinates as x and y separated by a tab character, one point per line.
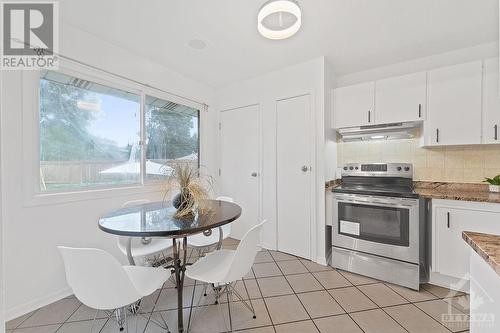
145	280
201	241
212	268
143	250
100	282
226	266
138	248
222	268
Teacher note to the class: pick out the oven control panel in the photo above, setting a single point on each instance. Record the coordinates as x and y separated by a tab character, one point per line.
378	169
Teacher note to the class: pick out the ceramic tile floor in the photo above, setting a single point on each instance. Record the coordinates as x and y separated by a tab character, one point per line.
289	295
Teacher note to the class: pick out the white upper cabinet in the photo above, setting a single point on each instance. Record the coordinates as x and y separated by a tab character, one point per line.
491	102
354	105
454	105
399	99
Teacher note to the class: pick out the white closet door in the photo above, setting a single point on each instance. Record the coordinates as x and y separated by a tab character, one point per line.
239	167
294	177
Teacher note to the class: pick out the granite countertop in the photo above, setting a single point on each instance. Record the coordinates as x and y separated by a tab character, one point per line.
332	184
487	246
456	191
442	190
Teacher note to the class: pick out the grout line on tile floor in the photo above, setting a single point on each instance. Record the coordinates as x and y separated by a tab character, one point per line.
382	308
428	300
300	301
348	314
296	294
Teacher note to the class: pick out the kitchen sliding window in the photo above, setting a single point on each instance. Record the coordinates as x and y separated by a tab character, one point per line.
90	134
172	136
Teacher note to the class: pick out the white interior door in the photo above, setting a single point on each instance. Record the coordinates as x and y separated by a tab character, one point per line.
294	175
239	167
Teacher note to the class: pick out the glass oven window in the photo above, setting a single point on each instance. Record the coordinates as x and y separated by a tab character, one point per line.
388	225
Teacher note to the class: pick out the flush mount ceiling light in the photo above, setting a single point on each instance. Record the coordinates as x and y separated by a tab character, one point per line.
279	19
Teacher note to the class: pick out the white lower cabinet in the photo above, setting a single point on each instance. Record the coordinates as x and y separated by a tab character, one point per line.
450	253
484	295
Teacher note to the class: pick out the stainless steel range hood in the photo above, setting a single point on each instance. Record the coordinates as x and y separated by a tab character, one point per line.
380	132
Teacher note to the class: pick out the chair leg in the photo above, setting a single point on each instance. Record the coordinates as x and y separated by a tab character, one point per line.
93	321
119	319
126	321
221	313
229	296
149	315
194	312
243	301
249	298
216	294
205	290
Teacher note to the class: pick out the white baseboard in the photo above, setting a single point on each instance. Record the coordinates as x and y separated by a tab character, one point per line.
321	261
25	308
267	246
449	282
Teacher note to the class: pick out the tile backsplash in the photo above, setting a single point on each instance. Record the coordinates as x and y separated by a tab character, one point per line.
464	164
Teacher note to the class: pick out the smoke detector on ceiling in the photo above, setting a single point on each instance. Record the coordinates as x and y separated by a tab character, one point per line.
197	44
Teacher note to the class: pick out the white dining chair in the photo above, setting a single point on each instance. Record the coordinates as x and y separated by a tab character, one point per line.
146	251
100	282
223	268
204	241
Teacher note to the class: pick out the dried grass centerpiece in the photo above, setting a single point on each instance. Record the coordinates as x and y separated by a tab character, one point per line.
192	189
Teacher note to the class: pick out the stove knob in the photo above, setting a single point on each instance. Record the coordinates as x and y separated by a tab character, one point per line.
356	168
407	168
351	168
399	168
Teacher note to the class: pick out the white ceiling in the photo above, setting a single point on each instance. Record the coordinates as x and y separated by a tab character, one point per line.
354	35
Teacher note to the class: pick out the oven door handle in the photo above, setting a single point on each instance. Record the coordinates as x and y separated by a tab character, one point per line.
378	203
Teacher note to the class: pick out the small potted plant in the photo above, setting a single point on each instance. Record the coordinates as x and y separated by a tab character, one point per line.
191	187
494	183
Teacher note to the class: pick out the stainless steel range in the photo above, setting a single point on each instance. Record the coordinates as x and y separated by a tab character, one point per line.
379	227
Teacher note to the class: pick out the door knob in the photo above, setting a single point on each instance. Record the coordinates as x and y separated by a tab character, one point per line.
304	168
254	174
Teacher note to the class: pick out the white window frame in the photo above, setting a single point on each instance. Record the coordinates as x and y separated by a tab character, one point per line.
167	97
33	196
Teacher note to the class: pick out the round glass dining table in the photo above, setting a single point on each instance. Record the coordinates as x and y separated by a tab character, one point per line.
157	219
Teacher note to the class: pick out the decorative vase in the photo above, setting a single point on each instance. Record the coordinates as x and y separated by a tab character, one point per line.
183	202
494	188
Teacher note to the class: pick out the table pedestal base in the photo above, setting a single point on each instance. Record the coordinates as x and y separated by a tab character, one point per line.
179	270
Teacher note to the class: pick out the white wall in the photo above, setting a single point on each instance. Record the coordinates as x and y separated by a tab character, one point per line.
303	78
34	274
2	285
483	51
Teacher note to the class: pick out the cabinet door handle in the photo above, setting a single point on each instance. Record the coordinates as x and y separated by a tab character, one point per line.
437	134
369	116
448	219
496	131
420	110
